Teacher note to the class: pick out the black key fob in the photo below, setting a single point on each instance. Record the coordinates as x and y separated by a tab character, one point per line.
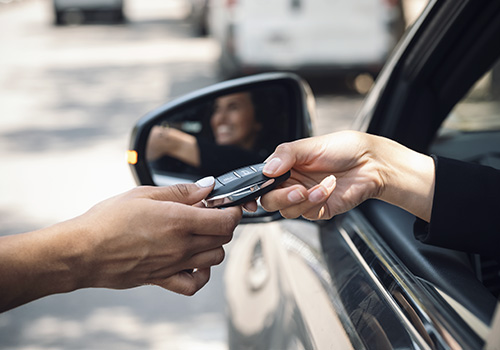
242	185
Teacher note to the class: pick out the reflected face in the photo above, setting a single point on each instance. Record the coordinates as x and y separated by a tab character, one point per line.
233	121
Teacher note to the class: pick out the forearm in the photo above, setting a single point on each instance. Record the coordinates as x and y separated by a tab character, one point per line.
37	264
173	143
408	177
183	146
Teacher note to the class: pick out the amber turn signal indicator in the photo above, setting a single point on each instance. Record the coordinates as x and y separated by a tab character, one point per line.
132	157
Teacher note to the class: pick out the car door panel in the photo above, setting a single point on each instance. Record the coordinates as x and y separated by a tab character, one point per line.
279	292
410	313
449	270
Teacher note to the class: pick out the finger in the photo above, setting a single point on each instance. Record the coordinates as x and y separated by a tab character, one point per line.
313	207
282	160
283	198
200	260
296	154
186	283
205	221
207	258
297	210
319	212
250	207
207	242
184	193
321	192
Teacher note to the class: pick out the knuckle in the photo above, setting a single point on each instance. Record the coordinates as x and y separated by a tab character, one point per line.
283	148
185	253
228	237
190	290
225	238
182	253
181	190
219	256
229	223
138	191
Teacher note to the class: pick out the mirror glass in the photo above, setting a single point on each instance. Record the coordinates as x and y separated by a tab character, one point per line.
215	135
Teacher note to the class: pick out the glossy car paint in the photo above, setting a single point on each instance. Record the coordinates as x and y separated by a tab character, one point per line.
361	280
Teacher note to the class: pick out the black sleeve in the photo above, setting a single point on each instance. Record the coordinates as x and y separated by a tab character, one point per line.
465	211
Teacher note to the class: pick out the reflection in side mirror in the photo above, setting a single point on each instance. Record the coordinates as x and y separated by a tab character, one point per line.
224	133
221	128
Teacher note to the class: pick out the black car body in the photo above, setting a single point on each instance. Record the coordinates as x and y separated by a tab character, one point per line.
364	272
361	280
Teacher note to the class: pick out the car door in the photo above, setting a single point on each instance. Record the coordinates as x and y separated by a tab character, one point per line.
361	280
431	83
445	67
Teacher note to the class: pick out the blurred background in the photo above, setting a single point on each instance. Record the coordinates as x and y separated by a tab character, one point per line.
75	76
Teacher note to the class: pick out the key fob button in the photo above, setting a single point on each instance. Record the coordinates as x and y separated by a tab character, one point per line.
259	167
227	178
245	171
242	185
217	184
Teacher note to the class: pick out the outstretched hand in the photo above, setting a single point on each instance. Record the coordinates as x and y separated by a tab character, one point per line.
152	235
334	173
330	175
149	235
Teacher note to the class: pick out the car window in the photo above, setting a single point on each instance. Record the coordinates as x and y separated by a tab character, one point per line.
471	132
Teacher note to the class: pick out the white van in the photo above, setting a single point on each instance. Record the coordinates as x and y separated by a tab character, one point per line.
310	36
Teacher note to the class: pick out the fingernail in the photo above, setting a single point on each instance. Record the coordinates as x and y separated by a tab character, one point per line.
272	166
317	195
329	182
205	182
296	196
321	192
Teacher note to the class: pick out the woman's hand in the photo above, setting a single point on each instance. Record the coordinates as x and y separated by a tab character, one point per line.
334	173
330	175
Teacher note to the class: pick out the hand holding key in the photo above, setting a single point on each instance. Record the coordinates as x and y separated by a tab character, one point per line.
242	185
334	173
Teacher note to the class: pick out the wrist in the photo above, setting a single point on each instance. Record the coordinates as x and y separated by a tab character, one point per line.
65	251
407	178
375	157
79	253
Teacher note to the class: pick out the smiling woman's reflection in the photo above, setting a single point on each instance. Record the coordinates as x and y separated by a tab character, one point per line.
234	121
236	128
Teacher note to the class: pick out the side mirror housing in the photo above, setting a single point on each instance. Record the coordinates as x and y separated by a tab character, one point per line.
220	128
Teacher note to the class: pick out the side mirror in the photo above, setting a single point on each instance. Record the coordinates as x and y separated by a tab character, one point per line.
220	128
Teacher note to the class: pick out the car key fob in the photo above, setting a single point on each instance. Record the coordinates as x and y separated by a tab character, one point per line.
242	185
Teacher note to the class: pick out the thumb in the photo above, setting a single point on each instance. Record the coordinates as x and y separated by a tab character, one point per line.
282	160
185	193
